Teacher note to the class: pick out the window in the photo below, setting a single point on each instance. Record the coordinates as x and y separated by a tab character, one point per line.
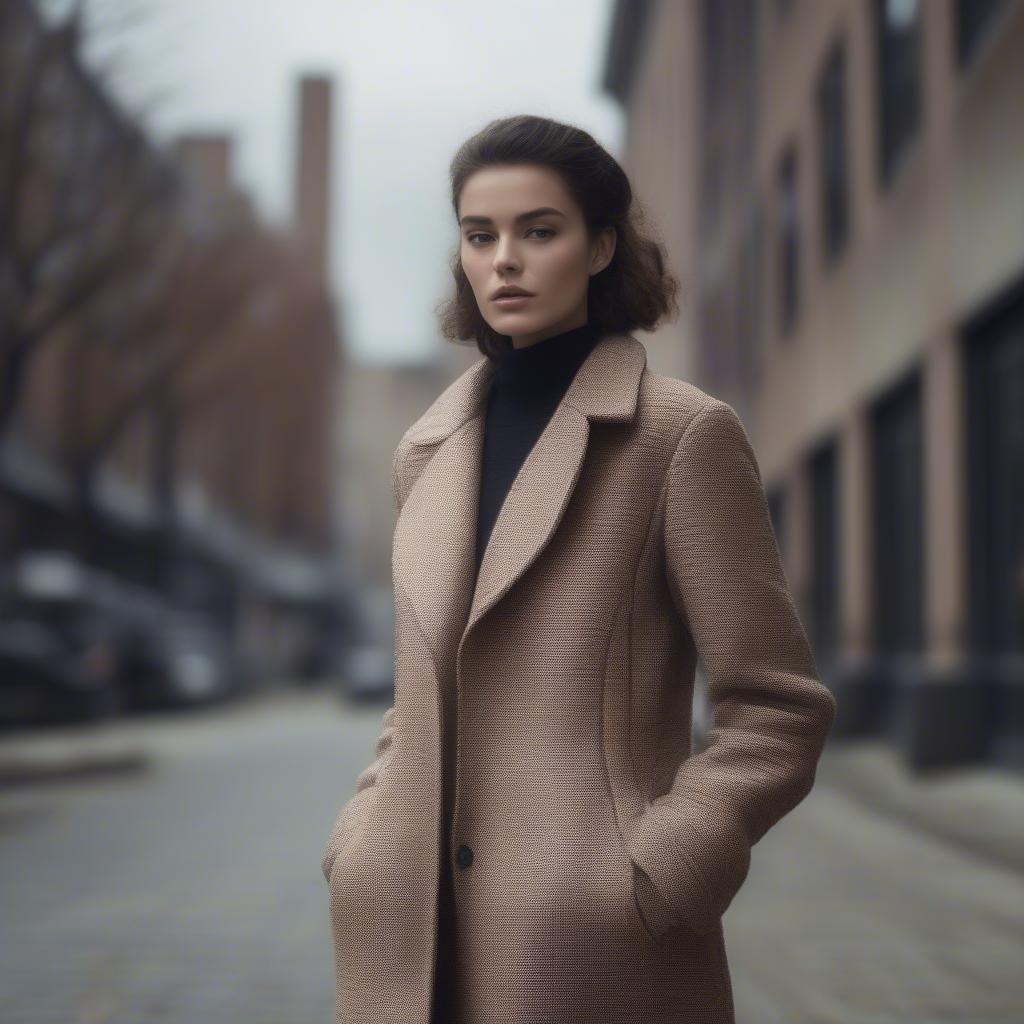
898	77
973	18
832	152
728	104
718	363
788	238
994	346
715	122
823	614
748	298
898	514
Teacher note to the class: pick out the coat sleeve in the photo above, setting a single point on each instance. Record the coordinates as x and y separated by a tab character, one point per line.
771	712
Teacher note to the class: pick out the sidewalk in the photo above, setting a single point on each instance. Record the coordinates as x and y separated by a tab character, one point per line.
58	754
119	745
979	809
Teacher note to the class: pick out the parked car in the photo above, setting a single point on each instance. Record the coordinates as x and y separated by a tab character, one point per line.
367	664
151	653
171	658
60	651
369	673
53	675
337	626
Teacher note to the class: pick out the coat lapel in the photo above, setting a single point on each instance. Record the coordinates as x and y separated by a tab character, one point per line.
435	537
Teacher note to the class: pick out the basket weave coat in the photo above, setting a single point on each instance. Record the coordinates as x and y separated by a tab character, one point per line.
593	851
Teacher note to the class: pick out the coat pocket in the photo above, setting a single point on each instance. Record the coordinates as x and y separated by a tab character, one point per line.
626	800
335	844
347	825
655	915
646	904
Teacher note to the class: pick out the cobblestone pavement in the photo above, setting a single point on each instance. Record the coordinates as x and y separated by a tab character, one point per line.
184	886
873	913
187	890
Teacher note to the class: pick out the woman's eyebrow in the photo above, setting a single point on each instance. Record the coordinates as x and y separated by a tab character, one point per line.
541	211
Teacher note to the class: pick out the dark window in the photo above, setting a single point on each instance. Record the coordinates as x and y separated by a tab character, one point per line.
832	154
898	521
973	18
718	365
823	615
728	105
748	297
788	239
715	121
995	483
898	76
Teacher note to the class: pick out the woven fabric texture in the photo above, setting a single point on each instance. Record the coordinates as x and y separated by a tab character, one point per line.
591	853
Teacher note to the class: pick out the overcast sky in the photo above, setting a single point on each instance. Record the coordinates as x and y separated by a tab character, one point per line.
412	81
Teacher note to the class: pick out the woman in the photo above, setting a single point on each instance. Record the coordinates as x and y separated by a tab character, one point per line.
536	841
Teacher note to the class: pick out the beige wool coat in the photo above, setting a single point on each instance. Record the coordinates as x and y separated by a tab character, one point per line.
593	852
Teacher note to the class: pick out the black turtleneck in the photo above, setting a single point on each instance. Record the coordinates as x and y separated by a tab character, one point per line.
527	386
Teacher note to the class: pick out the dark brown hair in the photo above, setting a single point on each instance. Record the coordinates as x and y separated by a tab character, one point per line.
635	291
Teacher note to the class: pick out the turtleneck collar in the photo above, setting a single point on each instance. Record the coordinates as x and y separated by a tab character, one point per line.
546	366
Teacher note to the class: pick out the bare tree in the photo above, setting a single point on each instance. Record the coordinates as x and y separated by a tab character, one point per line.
79	189
163	299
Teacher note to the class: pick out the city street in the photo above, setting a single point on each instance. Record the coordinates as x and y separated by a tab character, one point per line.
753	411
184	885
188	890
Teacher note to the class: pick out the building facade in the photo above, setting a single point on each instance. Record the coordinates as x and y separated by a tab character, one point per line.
841	188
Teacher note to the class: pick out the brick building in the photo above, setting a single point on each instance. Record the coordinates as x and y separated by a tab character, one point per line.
840	187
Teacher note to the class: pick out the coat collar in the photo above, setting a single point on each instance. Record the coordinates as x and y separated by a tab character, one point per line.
604	388
433	557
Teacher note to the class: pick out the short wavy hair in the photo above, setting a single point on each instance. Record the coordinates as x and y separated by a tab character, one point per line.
634	292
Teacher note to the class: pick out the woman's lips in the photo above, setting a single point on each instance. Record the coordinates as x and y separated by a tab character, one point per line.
512	301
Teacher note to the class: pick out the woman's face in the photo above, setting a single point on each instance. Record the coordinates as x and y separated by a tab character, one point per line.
547	254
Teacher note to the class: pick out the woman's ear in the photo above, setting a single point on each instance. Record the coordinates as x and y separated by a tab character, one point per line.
604	250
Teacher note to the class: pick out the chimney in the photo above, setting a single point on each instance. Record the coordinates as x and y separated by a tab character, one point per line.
312	168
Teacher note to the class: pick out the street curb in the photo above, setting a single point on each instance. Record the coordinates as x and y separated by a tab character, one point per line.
115	746
57	763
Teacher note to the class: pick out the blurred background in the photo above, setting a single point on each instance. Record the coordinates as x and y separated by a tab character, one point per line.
223	228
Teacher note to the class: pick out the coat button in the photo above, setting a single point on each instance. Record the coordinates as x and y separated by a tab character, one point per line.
464	857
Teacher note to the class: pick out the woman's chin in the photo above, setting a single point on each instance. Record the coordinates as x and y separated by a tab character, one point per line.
515	323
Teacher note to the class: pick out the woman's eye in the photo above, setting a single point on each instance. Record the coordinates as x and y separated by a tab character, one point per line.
480	234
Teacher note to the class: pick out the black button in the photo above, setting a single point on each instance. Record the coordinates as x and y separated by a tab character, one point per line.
464	857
